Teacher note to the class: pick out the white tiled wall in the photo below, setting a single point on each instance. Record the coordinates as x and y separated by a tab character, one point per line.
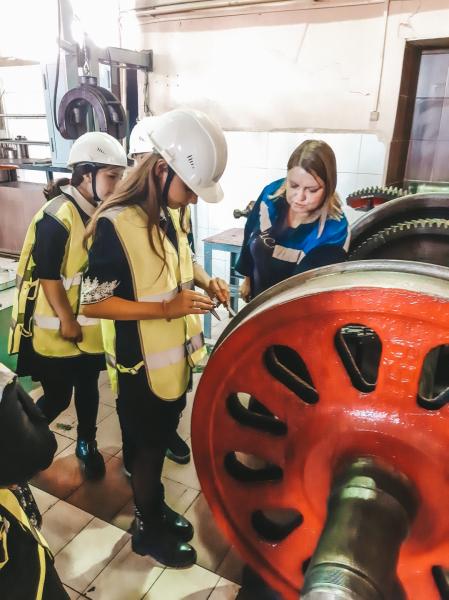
254	158
257	158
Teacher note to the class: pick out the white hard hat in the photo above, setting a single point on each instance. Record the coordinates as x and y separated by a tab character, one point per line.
194	147
99	148
139	140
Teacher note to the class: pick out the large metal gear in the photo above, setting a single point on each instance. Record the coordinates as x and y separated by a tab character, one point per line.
414	227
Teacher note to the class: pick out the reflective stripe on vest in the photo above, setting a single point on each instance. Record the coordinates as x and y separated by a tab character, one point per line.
168	349
44	327
54	323
188	285
69	282
11	504
159	360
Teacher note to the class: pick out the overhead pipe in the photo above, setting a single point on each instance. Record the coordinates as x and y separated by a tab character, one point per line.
172	7
29	116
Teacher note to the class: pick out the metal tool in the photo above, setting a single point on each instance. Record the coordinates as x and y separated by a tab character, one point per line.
215	314
230	310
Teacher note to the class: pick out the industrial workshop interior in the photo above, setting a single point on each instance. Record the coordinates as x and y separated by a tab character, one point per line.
224	300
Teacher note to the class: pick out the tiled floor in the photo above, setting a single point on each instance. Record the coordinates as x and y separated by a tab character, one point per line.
86	523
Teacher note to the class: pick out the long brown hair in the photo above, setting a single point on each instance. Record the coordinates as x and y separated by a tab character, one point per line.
140	187
317	158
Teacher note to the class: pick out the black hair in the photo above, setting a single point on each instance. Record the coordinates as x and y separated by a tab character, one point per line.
53	189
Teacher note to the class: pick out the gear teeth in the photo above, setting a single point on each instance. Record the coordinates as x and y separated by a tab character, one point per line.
383	236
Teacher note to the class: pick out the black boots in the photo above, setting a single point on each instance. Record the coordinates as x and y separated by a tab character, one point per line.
178	451
92	460
164	538
177	524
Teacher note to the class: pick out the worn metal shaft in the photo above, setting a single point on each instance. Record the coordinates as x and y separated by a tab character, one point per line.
370	510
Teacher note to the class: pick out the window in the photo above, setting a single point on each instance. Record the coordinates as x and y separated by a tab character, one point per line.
421	135
428	151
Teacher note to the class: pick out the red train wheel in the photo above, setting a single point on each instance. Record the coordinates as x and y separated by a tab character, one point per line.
286	351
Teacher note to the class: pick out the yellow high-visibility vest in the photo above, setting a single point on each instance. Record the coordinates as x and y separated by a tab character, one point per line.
44	324
169	348
10	510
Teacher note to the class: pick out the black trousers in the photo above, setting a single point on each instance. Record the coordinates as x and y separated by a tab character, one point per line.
147	423
58	389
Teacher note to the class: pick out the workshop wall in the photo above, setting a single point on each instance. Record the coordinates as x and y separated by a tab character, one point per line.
276	77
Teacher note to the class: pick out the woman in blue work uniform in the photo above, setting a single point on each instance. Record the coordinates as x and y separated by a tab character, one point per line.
297	223
141	275
56	346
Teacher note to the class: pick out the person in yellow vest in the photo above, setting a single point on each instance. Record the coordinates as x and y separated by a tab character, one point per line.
140	146
58	347
27	446
141	275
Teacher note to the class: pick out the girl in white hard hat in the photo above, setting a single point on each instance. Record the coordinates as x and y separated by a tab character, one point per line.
139	140
57	346
141	275
140	146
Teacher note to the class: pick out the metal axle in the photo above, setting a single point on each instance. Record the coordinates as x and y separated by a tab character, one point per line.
370	510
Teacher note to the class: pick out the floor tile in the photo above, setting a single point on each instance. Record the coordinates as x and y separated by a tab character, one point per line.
88	553
231	567
63	476
103	378
36	393
63	442
208	541
72	594
185	474
65	423
127	577
107	396
178	496
224	590
109	435
195	583
104	498
184	422
43	499
124	517
62	523
104	410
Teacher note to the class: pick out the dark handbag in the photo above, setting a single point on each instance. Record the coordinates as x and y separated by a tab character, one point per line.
27	445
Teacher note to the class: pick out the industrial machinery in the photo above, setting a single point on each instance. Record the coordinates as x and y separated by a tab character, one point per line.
370	197
336	488
82	88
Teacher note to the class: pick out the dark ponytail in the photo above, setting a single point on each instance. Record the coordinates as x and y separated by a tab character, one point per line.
53	189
